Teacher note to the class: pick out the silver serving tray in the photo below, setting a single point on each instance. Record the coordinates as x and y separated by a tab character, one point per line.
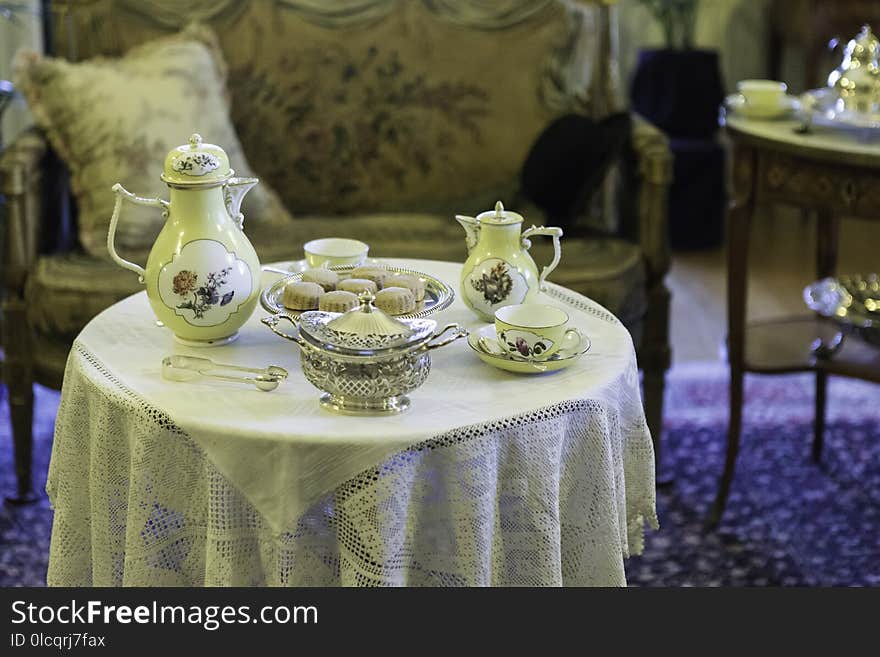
438	295
852	301
826	113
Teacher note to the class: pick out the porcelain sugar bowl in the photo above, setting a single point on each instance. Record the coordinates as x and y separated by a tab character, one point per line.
365	361
202	274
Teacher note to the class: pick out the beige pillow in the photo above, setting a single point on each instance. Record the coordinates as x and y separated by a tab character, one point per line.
114	120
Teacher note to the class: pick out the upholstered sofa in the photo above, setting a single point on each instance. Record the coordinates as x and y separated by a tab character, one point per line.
462	89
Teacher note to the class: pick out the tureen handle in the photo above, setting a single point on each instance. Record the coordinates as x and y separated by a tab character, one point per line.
556	234
123	194
272	323
459	333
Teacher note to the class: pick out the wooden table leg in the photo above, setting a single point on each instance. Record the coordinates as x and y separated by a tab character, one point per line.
827	238
739	220
18	375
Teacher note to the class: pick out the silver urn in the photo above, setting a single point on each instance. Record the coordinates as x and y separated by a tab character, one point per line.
857	80
365	361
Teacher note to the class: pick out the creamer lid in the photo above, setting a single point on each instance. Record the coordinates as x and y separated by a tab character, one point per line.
499	216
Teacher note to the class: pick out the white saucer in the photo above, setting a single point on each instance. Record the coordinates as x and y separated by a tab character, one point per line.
560	360
788	105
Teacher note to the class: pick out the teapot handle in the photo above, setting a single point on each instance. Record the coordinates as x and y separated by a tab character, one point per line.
123	194
556	234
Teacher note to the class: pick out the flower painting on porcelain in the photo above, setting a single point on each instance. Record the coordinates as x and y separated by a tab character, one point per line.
494	283
525	344
205	284
200	297
197	164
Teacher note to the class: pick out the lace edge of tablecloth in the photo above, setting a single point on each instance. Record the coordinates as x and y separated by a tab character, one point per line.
641	512
646	516
162	418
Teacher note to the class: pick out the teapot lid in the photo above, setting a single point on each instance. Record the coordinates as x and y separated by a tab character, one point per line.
196	164
499	216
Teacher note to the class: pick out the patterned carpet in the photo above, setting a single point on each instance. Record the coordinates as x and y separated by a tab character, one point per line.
788	522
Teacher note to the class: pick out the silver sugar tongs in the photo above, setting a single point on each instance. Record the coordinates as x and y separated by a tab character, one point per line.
188	368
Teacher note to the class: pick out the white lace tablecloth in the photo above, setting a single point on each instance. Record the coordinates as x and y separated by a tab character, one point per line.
490	478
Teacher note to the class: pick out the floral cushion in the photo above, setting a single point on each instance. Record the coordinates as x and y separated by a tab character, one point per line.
114	120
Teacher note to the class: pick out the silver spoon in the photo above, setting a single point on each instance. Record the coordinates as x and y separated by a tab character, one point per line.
275	270
491	347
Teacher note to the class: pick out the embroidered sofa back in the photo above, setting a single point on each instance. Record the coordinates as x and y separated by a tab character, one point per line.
362	106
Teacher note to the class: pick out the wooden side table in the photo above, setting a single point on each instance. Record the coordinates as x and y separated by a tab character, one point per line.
830	174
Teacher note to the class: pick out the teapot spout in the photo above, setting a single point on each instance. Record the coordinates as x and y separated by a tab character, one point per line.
233	193
471	227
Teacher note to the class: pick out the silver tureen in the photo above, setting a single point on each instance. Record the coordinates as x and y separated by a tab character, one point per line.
365	361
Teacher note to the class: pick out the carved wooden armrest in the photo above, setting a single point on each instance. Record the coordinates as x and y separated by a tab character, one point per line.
654	171
21	182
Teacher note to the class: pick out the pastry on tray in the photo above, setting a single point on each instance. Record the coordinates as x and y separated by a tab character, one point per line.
371	273
338	301
324	277
412	283
358	285
302	296
395	300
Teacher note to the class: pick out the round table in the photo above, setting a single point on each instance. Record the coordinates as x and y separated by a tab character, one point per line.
490	478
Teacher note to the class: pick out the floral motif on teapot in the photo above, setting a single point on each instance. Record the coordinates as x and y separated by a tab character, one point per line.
494	283
197	164
205	284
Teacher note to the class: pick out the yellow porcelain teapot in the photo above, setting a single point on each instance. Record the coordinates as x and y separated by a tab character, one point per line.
499	270
202	274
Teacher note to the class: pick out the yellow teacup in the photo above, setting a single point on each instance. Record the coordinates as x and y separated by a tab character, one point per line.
533	331
763	97
331	251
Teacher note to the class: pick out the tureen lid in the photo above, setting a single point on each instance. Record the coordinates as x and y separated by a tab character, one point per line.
499	216
362	330
196	163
